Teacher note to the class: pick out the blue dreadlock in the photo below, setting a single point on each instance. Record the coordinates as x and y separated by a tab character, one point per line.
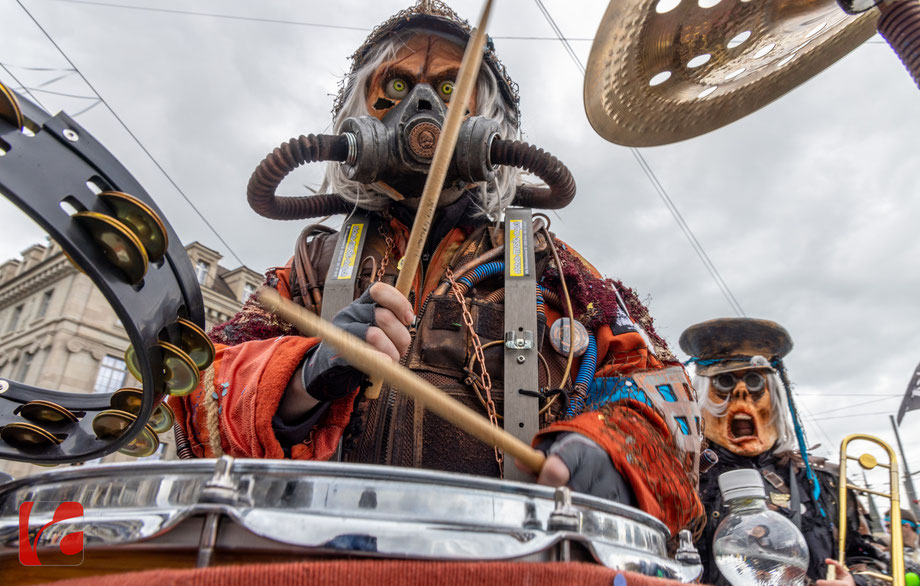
799	434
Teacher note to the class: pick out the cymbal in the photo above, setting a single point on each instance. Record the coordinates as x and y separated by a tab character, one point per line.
662	71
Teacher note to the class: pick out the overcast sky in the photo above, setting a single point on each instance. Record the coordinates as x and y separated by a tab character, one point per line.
809	208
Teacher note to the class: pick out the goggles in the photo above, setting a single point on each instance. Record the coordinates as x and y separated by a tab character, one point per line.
727	381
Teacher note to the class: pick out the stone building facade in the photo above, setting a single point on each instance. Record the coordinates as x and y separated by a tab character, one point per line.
58	332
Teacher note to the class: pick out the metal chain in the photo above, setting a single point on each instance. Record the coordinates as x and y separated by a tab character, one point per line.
388	240
485	380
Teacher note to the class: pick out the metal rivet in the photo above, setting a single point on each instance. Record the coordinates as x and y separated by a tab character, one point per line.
4	386
521	359
70	135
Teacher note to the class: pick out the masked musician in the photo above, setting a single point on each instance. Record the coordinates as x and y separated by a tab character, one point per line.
750	422
273	394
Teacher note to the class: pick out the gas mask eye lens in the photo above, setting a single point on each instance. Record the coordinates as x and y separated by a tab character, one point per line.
446	88
397	88
754	381
724	383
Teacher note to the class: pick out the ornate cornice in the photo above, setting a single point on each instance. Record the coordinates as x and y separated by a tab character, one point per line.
22	286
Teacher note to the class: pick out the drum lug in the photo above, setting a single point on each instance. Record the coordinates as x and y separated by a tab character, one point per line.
222	489
686	553
564	518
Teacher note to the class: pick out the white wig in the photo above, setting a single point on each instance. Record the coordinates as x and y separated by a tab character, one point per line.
782	416
494	197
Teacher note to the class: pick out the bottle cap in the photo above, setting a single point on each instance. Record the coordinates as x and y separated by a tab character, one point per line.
740	484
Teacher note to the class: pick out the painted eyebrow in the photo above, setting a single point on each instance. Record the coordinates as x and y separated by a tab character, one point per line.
398	71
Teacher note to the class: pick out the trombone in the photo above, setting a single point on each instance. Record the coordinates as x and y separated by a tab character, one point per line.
868	462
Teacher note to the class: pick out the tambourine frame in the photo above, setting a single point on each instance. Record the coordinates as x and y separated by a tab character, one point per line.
55	162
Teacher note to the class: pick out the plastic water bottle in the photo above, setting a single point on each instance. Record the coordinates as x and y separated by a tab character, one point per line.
754	546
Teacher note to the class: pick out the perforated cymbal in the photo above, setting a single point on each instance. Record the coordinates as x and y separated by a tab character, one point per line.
9	108
662	71
141	219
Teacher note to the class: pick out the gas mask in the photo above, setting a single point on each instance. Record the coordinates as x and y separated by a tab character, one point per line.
398	149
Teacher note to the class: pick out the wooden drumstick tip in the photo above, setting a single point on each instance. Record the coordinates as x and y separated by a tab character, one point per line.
374	363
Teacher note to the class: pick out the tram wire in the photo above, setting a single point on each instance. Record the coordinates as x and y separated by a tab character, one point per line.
22	85
130	132
322	25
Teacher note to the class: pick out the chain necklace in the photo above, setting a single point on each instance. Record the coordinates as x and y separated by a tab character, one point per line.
485	380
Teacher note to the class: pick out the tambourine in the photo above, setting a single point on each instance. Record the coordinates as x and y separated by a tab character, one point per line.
111	230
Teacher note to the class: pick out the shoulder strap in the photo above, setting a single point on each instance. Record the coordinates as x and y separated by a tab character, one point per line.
521	359
339	289
795	500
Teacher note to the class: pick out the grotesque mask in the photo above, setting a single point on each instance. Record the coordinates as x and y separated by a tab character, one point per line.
736	356
747	427
424	59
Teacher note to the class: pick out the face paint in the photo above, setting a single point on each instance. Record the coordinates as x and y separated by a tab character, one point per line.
424	59
746	428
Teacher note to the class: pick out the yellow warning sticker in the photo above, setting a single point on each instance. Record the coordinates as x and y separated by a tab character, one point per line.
516	252
350	253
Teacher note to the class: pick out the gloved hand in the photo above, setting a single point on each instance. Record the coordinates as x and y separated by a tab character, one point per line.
380	316
577	461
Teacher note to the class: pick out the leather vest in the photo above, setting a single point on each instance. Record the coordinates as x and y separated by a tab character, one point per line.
392	429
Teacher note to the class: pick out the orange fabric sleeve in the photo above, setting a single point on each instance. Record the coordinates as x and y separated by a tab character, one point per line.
640	446
245	386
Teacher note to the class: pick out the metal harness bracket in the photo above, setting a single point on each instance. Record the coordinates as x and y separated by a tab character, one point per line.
521	412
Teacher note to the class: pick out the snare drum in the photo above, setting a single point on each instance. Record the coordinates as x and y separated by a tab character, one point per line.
229	511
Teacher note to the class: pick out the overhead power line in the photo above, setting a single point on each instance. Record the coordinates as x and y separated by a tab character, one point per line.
128	130
850	394
659	188
852	415
66	95
37	68
22	85
290	22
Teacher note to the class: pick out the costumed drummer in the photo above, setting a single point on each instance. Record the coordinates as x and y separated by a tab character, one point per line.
617	419
750	421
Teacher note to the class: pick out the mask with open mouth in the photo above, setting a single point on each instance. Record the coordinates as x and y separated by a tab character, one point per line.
747	427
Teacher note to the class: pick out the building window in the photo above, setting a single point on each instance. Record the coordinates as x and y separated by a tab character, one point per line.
14	319
24	367
248	289
111	375
201	271
45	302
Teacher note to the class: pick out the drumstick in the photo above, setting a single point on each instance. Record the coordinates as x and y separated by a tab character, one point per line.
443	152
365	358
